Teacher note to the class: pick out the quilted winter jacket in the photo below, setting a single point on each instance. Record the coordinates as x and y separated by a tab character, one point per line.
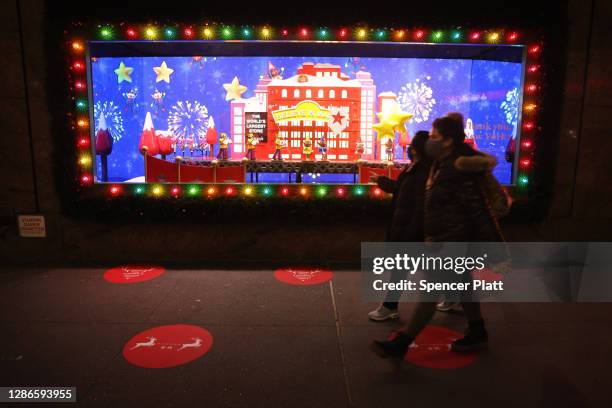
455	207
407	204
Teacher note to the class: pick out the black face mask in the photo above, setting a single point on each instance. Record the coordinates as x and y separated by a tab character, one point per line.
411	154
434	148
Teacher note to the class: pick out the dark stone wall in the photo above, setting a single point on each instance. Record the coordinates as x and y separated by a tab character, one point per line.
579	207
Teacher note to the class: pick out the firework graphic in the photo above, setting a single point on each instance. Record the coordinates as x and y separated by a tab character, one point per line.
417	98
188	121
114	119
510	106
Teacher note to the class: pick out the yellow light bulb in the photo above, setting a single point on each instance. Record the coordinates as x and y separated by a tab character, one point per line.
151	33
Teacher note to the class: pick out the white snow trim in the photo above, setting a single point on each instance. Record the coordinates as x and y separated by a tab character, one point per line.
102	123
316	81
148	125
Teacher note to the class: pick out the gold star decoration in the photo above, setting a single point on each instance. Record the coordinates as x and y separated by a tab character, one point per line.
234	90
385	128
163	72
396	115
123	73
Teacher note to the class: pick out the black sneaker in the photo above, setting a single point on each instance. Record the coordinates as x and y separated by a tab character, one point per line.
476	339
396	347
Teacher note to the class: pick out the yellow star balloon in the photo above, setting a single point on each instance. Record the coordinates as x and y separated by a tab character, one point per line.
123	73
234	90
385	128
395	114
163	72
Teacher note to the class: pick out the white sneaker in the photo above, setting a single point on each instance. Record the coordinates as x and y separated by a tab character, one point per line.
382	313
444	306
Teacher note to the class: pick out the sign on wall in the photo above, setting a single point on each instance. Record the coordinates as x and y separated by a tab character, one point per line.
32	226
257	124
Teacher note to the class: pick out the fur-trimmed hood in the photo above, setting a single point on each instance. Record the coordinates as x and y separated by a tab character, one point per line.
476	163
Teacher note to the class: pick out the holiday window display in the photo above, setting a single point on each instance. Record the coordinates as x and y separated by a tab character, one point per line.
332	114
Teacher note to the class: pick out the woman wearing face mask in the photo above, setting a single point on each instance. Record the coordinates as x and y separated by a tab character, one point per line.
455	211
407	208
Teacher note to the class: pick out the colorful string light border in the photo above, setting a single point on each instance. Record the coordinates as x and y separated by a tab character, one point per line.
77	49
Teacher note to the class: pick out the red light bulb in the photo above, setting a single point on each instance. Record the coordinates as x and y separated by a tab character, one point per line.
340	191
513	36
131	32
85	179
79	85
188	32
533	68
534	49
419	34
527	144
475	36
114	190
304	32
284	191
285	33
525	162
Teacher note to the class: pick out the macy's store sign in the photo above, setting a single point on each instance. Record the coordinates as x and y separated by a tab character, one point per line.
308	110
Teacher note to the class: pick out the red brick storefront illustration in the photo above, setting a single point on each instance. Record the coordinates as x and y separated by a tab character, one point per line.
319	101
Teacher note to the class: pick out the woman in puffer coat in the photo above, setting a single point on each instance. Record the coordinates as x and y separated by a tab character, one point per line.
456	210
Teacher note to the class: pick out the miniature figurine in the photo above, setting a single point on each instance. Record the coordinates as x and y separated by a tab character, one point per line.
322	144
359	149
224	142
389	146
279	143
251	141
307	147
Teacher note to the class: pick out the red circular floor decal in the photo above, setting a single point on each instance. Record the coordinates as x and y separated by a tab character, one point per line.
432	349
303	276
167	346
133	273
